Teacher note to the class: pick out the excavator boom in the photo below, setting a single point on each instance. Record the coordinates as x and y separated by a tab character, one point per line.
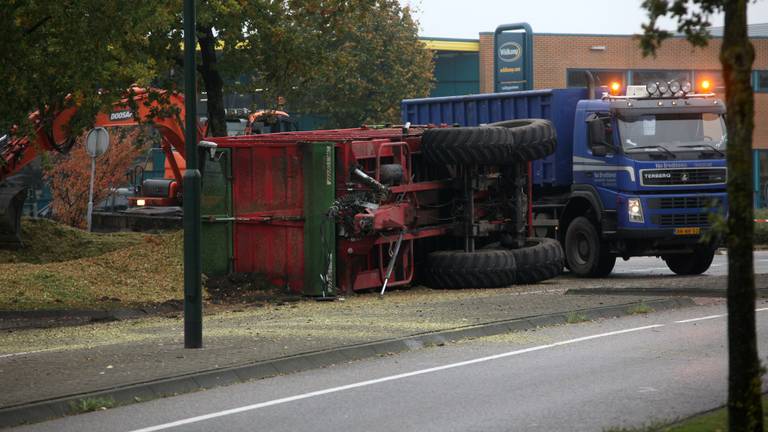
161	108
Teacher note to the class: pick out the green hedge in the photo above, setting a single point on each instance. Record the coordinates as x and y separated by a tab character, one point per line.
761	229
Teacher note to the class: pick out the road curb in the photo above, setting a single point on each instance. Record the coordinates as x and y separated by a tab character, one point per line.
656	291
123	395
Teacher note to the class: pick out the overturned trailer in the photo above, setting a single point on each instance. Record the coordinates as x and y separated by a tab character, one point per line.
339	211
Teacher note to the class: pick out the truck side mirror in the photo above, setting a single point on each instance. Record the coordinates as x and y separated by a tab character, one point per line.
597	138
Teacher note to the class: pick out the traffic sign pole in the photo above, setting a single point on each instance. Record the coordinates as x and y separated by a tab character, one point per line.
193	295
96	144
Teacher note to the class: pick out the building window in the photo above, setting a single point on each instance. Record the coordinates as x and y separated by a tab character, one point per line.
761	81
643	77
456	73
577	77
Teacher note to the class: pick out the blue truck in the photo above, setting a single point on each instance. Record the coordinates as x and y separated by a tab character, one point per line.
637	174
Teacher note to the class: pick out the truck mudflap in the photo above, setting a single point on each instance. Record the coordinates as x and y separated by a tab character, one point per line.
11	203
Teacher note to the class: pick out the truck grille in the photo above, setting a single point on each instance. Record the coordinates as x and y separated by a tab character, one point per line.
683	176
692	219
703	201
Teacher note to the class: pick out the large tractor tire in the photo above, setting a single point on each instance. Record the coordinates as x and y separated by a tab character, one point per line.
468	146
587	255
694	263
480	269
540	259
534	138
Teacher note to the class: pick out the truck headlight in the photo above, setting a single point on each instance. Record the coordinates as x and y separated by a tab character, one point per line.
635	210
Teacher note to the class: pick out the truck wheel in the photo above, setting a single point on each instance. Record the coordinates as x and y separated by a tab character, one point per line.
468	145
540	259
534	138
694	263
586	254
483	268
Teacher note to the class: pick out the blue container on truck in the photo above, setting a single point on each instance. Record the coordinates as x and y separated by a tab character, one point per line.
642	174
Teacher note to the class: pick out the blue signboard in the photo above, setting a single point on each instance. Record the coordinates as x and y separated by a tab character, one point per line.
513	61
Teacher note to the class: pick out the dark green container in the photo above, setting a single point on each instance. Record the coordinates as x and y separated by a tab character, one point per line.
217	215
319	230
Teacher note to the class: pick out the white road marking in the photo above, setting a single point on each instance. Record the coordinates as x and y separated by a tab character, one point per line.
700	319
384	379
713	317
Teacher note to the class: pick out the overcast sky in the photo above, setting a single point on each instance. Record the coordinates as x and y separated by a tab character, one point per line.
465	19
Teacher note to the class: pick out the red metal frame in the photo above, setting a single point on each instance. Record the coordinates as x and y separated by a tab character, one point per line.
268	203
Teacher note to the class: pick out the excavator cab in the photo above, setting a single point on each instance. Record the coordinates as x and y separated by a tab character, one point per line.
11	203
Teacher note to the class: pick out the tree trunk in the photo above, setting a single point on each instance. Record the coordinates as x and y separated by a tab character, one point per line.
744	372
214	85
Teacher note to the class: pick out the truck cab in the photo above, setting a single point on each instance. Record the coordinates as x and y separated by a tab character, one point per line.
635	172
648	179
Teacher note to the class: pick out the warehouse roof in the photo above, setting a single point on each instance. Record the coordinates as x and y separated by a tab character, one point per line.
754	30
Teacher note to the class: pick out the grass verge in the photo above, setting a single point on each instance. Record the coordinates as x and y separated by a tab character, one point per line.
713	421
640	308
91	404
46	241
575	318
761	229
65	268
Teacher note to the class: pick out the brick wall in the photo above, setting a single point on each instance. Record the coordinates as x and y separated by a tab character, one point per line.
486	62
554	54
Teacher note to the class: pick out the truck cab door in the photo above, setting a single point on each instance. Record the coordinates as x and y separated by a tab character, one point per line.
600	135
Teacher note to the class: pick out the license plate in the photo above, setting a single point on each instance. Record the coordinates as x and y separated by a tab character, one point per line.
688	231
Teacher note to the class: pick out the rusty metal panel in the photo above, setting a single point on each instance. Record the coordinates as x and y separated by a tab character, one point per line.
267	179
268	200
275	251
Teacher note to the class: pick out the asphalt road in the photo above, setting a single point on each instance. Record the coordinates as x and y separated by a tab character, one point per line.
656	266
587	376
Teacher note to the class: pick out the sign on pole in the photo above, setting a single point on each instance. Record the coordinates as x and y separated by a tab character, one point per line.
96	144
513	57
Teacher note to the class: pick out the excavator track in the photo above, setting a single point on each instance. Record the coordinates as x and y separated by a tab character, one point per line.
11	204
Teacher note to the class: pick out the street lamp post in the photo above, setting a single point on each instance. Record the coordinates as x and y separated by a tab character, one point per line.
193	298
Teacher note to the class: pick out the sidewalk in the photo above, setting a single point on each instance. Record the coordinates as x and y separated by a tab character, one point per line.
42	370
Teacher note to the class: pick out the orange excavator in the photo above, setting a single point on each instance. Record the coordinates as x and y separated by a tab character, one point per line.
162	108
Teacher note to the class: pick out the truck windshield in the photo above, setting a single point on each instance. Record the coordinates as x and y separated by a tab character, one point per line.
673	133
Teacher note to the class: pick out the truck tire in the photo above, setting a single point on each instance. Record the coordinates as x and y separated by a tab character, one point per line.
468	145
587	255
694	263
483	268
534	138
539	260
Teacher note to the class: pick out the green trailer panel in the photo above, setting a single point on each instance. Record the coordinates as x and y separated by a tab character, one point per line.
319	229
217	215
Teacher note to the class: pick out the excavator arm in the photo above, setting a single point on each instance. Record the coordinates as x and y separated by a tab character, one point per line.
162	108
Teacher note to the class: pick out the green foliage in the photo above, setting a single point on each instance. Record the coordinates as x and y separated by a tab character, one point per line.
91	404
576	317
640	308
692	22
712	421
352	61
89	49
761	229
